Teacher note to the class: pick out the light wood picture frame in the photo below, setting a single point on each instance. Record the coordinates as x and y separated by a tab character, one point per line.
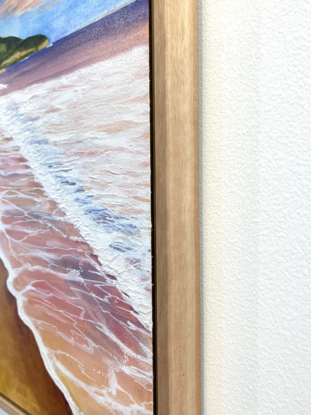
10	408
174	76
176	204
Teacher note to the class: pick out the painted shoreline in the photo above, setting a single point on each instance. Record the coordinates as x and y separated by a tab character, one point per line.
67	63
93	346
23	355
90	335
26	320
118	32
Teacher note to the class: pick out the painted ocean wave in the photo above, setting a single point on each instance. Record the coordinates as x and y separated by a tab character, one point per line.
92	344
88	144
75	210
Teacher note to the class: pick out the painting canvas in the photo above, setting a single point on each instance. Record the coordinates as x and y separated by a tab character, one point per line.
75	207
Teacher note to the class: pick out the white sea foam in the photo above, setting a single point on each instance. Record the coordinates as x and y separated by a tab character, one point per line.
3	86
86	138
51	290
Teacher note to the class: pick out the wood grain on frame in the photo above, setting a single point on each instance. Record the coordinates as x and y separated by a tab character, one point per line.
9	408
175	120
175	106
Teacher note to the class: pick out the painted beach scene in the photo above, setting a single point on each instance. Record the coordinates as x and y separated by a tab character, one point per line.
75	207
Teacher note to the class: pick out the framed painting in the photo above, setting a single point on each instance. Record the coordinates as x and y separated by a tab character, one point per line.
99	245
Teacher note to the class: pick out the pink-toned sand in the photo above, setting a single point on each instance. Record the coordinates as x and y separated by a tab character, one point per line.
93	341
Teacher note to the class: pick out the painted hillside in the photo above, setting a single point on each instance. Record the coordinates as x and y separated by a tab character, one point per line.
13	49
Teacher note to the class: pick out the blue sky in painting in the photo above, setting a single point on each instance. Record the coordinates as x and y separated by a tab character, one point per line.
57	20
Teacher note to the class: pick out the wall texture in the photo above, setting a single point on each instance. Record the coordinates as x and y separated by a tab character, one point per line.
255	93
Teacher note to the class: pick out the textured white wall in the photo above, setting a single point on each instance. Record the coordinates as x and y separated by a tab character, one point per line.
255	154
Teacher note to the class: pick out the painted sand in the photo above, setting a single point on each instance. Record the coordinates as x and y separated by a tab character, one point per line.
75	210
30	381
